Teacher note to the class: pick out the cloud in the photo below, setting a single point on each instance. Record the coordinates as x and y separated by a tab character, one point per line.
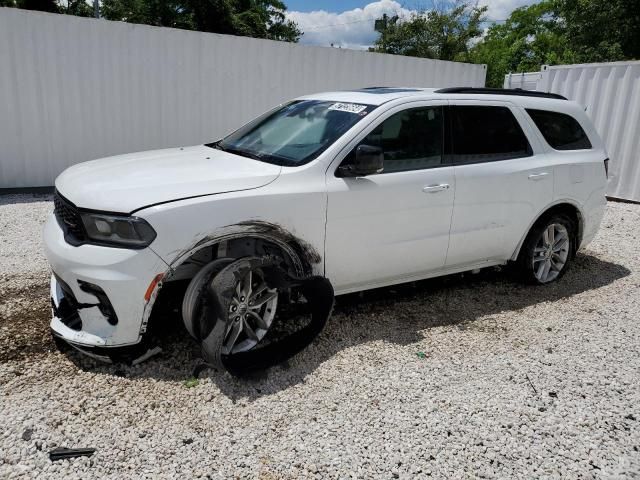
354	28
350	29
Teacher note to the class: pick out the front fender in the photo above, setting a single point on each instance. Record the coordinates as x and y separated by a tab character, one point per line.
283	213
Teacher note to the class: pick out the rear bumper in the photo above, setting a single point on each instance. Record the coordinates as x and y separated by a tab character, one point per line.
97	293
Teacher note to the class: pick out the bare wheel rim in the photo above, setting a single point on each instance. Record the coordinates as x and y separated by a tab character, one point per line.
551	253
251	313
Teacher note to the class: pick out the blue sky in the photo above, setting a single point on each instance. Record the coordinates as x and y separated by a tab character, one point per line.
349	23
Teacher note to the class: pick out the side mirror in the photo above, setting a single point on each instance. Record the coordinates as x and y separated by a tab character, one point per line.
368	160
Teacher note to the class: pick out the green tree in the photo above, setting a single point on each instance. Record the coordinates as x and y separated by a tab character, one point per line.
162	13
251	18
560	32
445	32
531	36
79	8
601	30
42	5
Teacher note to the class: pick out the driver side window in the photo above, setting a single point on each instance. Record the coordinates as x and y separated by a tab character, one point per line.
410	140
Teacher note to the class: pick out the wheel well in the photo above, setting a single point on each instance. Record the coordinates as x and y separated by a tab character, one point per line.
570	211
167	305
248	245
567	209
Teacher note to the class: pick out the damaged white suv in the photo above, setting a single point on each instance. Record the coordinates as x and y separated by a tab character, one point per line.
327	194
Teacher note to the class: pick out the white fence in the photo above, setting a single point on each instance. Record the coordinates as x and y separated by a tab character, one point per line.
73	89
610	92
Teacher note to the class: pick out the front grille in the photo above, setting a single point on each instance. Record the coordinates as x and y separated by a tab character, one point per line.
69	219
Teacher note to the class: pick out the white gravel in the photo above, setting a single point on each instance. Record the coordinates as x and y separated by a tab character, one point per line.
451	378
22	218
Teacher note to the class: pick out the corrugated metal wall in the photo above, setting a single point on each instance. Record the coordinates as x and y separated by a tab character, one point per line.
610	93
73	89
525	81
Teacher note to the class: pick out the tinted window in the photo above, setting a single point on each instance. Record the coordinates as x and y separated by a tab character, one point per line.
486	134
561	131
410	140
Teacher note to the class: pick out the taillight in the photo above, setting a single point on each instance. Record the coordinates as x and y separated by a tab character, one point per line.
606	167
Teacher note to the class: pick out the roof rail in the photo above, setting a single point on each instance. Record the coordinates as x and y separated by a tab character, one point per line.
501	91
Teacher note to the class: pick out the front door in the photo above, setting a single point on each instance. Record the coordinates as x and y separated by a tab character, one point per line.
393	225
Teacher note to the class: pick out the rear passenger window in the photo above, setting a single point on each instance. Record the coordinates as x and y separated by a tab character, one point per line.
561	131
486	134
410	140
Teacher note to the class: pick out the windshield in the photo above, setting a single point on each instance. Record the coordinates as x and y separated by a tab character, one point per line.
295	133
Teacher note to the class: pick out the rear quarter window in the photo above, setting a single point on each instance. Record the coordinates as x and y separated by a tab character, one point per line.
561	131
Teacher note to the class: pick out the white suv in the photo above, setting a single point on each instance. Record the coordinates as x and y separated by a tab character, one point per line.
329	193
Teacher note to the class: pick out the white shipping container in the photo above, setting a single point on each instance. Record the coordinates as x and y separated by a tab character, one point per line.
73	89
525	81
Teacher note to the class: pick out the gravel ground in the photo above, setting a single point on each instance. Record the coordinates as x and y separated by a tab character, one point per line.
466	376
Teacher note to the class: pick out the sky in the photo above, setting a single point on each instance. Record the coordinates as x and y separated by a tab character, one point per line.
349	23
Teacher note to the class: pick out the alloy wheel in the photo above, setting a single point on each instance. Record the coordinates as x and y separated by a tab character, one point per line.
251	313
551	252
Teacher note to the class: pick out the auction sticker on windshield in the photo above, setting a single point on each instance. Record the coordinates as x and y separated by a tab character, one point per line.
348	107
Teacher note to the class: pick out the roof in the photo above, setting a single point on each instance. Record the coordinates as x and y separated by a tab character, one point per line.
380	95
371	95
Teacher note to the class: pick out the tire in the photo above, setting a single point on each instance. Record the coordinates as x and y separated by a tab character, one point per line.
229	293
248	305
545	257
193	296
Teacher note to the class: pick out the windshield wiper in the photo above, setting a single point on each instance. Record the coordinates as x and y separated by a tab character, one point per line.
241	152
248	154
237	151
217	145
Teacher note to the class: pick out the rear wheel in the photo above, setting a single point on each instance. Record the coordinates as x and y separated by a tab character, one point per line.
547	250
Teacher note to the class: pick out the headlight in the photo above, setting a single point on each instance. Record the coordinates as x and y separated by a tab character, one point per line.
117	230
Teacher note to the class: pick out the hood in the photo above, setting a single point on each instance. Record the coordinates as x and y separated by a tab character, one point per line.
125	183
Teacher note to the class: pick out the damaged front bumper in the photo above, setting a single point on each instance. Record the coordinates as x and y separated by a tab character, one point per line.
98	293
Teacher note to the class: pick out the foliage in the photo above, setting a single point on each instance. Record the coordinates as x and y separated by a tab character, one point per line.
79	8
601	30
72	7
560	32
444	32
550	32
251	18
191	382
42	5
166	13
530	37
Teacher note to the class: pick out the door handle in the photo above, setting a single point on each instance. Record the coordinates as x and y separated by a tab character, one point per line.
436	188
538	176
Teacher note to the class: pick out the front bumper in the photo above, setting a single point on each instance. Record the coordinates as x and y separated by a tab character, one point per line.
111	315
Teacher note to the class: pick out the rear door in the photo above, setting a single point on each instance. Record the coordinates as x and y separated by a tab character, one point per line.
393	225
503	180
